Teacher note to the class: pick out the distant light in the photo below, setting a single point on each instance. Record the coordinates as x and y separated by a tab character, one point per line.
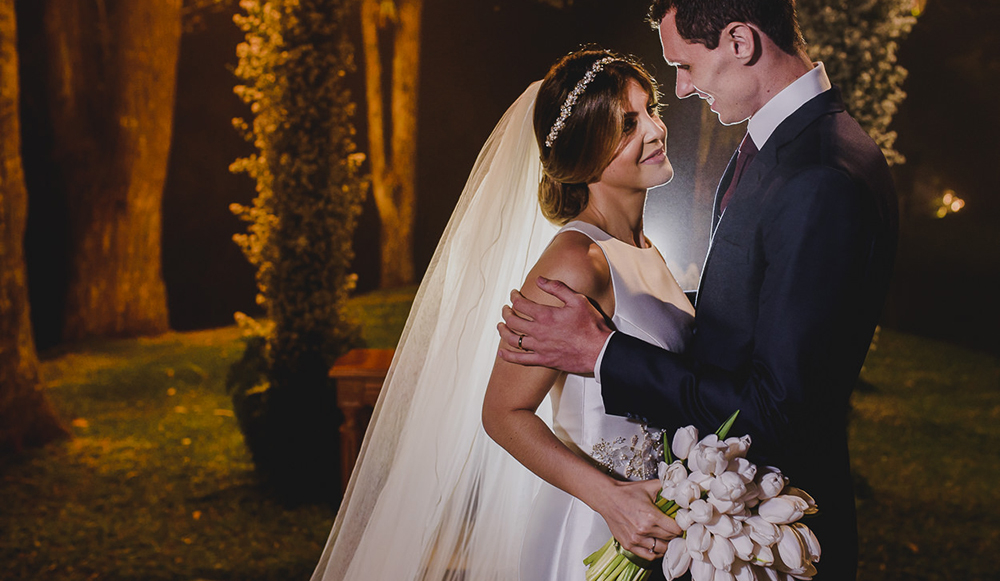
950	203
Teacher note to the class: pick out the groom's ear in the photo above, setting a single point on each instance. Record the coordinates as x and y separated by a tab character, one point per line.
742	41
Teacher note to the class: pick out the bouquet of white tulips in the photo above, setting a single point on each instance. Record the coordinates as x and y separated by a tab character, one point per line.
739	523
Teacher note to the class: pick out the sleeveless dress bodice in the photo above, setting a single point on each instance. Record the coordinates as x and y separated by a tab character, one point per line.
650	305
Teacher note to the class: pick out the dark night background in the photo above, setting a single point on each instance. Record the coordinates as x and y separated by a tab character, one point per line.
477	58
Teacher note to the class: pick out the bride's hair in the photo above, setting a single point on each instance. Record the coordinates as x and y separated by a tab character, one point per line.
590	135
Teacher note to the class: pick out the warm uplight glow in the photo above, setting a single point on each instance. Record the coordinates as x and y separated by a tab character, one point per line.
918	7
949	204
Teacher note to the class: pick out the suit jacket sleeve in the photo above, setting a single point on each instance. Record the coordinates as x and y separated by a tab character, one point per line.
816	238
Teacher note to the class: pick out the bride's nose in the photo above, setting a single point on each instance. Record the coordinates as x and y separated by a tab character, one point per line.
656	130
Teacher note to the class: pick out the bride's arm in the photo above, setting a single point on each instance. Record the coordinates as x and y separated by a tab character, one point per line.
515	392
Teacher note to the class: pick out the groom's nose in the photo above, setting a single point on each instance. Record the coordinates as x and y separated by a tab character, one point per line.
684	88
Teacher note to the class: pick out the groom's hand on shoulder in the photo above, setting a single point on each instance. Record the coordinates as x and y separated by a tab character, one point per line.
568	338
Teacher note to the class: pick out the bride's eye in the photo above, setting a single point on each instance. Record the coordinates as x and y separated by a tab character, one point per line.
629	123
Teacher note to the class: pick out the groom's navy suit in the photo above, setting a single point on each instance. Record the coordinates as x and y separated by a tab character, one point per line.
791	291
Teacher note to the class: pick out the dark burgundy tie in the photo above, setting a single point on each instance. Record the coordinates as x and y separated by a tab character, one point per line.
747	152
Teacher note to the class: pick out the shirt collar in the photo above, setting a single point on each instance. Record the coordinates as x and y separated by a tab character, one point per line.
763	123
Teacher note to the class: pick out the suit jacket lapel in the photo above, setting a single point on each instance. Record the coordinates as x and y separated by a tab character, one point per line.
720	190
766	161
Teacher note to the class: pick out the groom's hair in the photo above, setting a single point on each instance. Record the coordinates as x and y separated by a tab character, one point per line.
703	21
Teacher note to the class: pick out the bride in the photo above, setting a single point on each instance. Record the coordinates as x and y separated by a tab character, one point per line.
432	496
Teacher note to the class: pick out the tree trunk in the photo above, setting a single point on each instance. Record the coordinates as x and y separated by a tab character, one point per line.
26	417
394	172
112	77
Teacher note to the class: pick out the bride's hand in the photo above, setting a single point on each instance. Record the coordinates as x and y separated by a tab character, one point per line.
635	521
568	338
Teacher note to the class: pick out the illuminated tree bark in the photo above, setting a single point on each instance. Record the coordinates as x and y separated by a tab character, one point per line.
112	77
393	164
26	417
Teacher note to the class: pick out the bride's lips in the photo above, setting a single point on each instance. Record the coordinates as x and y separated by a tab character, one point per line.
655	157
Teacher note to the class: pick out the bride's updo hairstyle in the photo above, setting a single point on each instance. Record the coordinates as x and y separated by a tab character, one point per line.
578	146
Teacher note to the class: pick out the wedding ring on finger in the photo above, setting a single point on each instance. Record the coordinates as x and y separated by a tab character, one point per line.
654	547
519	339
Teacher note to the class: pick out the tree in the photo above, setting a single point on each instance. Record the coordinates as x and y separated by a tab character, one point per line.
26	416
111	79
857	40
393	163
295	61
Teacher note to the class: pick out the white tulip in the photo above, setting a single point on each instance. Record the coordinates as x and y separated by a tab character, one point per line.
724	525
702	511
703	480
810	502
721	553
683	519
684	439
677	559
674	473
782	509
730	507
685	493
702	570
809	539
737	447
770	482
742	571
791	555
763	532
709	456
727	486
746	469
743	544
762	555
769	574
750	498
699	539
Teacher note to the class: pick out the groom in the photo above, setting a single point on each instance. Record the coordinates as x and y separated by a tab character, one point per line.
804	236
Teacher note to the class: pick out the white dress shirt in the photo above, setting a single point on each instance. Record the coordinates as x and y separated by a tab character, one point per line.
763	123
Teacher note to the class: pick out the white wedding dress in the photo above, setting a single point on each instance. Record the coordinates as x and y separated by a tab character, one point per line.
650	305
432	497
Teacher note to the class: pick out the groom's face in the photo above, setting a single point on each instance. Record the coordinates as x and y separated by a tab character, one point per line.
708	74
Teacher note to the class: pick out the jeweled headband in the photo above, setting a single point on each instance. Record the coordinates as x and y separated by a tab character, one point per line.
578	90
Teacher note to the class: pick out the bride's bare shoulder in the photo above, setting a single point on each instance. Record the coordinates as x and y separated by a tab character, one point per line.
575	259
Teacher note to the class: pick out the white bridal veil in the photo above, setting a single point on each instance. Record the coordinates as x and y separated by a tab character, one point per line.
432	496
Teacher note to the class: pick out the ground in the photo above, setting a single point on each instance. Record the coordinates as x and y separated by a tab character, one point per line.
157	484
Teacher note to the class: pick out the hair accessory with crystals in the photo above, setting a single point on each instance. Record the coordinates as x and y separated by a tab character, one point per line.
567	108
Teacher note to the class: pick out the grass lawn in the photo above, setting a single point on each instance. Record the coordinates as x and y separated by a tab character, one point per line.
156	484
924	441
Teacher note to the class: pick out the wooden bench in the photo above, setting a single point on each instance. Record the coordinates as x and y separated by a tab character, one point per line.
359	375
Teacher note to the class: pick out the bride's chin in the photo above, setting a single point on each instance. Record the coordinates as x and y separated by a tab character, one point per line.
665	177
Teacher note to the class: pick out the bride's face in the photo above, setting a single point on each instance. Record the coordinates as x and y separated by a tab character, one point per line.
641	162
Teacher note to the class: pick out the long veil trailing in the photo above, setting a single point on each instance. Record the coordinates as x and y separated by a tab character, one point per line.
432	496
